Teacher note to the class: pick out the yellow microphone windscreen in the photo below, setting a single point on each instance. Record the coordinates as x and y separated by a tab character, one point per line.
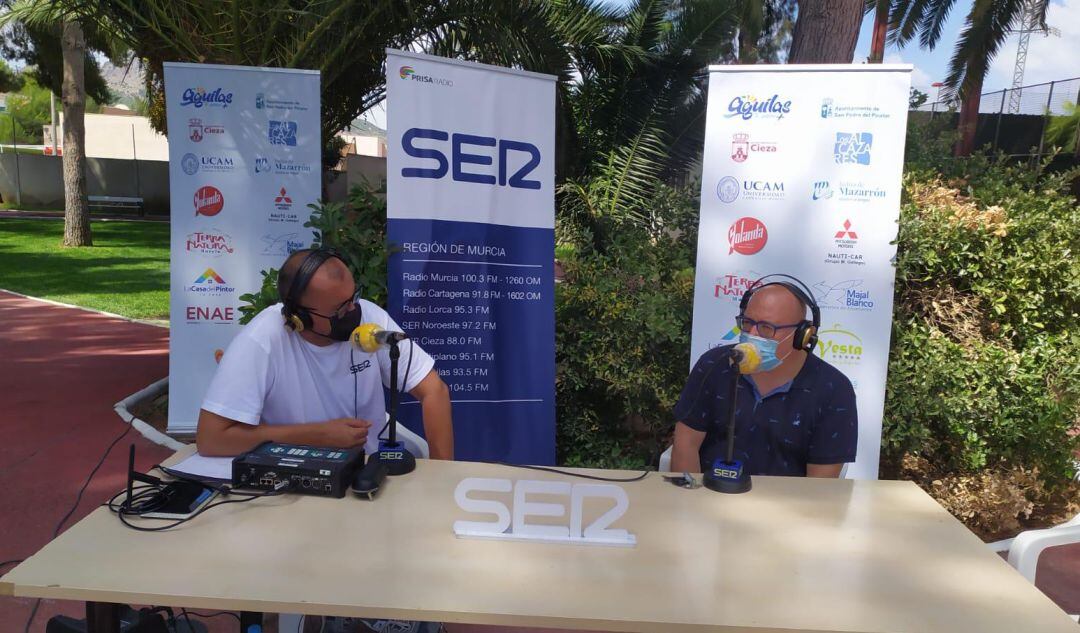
751	359
364	337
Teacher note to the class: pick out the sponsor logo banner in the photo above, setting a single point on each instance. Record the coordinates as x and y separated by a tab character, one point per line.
210	242
747	236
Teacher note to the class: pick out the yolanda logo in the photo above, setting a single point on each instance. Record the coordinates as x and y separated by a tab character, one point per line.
208	201
200	97
282	201
282	133
405	71
847	232
839	346
727	189
747	236
212	243
853	148
747	106
822	191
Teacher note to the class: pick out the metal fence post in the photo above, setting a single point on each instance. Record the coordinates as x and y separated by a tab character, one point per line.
1046	120
18	176
1001	113
135	161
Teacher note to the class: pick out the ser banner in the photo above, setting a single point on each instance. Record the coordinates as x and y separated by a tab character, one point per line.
471	210
244	164
801	176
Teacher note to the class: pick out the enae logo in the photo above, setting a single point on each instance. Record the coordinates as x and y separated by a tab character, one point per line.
747	236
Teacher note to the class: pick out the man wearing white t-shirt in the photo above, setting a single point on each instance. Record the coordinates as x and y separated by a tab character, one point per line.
291	375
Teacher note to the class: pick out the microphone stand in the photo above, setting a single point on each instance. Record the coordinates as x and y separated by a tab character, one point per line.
728	475
392	454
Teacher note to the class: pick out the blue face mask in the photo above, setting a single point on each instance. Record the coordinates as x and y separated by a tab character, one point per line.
766	348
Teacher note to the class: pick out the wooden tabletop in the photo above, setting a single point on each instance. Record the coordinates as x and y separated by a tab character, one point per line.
793	554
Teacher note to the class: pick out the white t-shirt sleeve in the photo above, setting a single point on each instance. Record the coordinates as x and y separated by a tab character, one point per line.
241	383
422	362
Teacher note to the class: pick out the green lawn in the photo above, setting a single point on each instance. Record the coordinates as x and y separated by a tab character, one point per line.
126	271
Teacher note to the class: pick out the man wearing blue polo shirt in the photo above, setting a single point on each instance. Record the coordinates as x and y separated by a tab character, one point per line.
795	416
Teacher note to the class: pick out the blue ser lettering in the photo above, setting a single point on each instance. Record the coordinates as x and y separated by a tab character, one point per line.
461	157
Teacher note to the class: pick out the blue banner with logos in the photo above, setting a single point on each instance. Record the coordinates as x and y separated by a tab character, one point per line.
470	206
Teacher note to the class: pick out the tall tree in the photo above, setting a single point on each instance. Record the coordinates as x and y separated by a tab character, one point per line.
826	31
76	211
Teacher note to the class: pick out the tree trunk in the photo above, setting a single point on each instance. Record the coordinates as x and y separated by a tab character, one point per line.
881	27
826	31
76	211
969	120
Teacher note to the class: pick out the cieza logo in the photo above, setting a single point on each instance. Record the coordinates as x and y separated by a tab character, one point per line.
853	148
838	346
210	284
197	131
846	239
832	110
192	163
208	201
407	72
727	189
742	146
280	167
199	97
217	315
749	106
214	243
282	201
282	133
746	236
282	245
734	286
525	156
262	102
843	295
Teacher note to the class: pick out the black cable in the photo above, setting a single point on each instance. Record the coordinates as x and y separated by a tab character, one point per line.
13	560
568	473
188	618
148	492
212	615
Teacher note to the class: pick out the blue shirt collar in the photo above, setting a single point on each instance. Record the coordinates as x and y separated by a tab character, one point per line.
784	388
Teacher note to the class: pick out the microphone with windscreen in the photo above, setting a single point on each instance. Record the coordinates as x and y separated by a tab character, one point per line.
728	474
371	337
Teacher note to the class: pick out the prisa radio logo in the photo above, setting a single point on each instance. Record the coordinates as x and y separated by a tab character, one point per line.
749	106
200	97
408	72
747	236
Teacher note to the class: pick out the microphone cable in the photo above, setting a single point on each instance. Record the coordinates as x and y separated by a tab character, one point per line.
150	497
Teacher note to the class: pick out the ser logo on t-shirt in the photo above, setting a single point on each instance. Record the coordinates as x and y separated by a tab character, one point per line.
359	367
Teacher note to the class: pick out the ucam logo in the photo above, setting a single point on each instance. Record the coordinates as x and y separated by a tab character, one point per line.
832	110
511	522
507	152
853	148
283	244
733	286
843	295
212	242
742	146
210	284
727	189
192	163
838	346
216	315
200	97
747	236
282	133
208	201
749	106
407	72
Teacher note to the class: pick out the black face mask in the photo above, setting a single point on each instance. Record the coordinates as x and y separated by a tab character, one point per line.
341	329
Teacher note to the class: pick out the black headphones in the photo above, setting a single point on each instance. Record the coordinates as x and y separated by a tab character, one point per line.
805	337
297	317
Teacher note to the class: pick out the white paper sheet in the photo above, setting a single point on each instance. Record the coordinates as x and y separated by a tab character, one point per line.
206	467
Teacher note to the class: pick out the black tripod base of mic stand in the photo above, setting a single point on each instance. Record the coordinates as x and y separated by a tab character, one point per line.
728	477
396	458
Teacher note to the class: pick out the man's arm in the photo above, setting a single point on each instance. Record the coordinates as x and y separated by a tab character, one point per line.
686	449
218	436
434	399
828	471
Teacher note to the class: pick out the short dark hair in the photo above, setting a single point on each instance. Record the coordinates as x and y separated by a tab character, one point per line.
288	272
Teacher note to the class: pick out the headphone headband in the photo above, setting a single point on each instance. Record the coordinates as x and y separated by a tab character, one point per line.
296	316
806	334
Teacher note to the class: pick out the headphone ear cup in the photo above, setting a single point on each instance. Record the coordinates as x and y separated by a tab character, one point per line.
811	338
296	323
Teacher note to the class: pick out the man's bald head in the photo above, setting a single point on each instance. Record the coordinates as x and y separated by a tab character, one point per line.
776	304
287	274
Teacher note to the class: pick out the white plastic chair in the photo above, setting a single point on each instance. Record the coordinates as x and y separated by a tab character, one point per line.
1027	546
665	463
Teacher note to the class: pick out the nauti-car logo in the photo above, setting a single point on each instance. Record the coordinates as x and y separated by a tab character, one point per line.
405	71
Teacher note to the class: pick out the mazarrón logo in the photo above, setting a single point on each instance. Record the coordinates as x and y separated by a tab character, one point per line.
747	236
199	97
742	146
847	191
727	189
190	164
282	133
210	283
843	295
734	285
830	109
212	242
208	201
283	244
280	167
838	346
217	315
408	72
749	106
853	148
822	190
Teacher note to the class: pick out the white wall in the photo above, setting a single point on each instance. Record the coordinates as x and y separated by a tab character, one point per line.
110	136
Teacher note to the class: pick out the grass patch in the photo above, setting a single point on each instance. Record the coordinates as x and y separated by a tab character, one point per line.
126	271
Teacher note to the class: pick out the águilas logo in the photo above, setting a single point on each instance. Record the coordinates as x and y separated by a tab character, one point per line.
749	106
282	201
747	236
734	286
210	283
838	346
727	189
742	146
405	71
843	295
200	97
282	133
213	242
190	164
853	148
208	201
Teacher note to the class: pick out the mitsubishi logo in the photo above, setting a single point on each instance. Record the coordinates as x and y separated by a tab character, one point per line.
847	232
282	197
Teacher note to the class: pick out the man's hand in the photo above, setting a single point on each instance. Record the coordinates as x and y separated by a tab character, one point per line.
343	433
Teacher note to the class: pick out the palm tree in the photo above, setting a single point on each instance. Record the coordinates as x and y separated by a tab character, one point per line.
826	31
988	24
